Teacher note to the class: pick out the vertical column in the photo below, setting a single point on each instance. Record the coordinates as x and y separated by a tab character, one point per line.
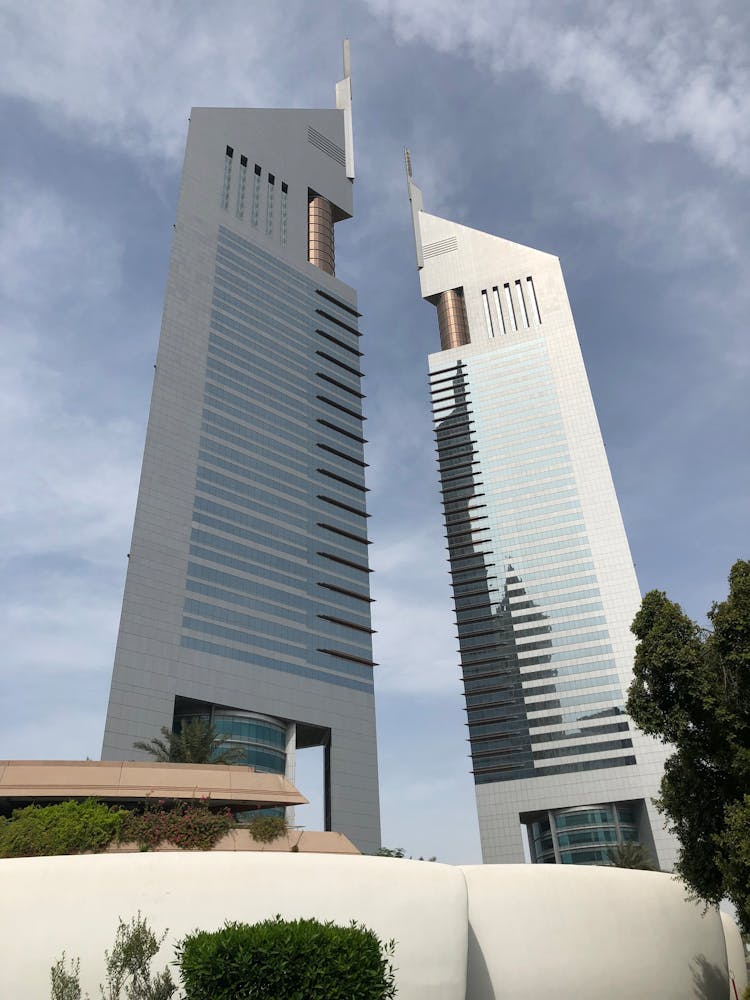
290	763
454	326
320	246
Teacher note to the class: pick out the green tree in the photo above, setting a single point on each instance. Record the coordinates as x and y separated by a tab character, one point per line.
195	742
691	689
629	855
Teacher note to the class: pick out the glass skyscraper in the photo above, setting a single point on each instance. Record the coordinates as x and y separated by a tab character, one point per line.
247	599
543	581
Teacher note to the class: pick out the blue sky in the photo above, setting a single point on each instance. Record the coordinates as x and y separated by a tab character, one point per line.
613	135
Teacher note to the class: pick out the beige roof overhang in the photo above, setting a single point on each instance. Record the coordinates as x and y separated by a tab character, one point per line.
220	784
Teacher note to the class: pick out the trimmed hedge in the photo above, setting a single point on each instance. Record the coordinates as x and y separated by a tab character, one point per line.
64	828
286	960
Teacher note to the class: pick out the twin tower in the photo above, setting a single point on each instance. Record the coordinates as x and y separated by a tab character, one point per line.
247	598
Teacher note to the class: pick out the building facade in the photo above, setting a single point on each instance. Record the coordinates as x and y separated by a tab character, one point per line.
543	581
247	596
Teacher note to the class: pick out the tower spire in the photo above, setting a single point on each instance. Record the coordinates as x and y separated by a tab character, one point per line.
344	103
415	199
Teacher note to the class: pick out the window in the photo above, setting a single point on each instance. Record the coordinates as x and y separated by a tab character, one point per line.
241	188
532	298
227	178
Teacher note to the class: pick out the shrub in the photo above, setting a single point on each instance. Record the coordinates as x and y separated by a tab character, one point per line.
65	984
264	829
286	960
129	964
190	825
65	828
128	968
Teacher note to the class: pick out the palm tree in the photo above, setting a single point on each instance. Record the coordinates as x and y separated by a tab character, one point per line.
631	855
196	742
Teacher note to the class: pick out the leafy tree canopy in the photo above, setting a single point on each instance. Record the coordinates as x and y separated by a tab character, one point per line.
691	689
196	742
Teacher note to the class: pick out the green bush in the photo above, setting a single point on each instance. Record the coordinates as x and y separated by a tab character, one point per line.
189	825
128	968
264	829
286	960
65	828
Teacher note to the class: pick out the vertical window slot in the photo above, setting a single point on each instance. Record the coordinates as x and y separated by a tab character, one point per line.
227	178
509	304
532	296
498	310
255	210
522	304
487	317
284	192
269	205
241	188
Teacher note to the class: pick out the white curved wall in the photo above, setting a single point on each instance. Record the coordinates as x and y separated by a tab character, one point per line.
589	933
531	931
735	955
48	905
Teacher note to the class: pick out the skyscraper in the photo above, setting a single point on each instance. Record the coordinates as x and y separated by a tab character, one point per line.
247	597
543	581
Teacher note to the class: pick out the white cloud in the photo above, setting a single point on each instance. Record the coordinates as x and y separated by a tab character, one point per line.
674	70
74	473
129	73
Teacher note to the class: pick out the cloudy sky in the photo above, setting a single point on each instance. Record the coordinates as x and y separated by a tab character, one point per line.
615	135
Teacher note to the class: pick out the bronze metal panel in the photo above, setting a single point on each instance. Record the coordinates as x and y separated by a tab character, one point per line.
454	326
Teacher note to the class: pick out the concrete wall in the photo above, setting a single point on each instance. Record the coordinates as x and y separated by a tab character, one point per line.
736	956
586	933
573	933
73	903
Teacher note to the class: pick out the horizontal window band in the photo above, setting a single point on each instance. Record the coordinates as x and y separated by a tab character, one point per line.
347	593
464	519
462	390
444	467
342	454
346	534
466	486
341	479
485	592
341	364
484	631
488	616
468	531
348	656
453	506
503	646
340	385
449	396
461	420
487	674
337	302
341	408
338	322
483	578
464	407
489	659
459	367
441	438
343	506
340	430
341	621
471	555
345	562
340	343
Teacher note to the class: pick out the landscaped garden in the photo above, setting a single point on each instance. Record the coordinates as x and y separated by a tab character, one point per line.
91	827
